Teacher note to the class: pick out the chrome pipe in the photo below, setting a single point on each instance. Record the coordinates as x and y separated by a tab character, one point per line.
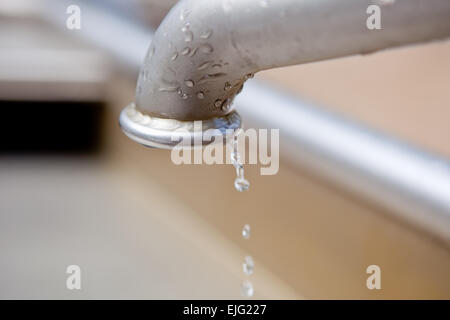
412	184
204	50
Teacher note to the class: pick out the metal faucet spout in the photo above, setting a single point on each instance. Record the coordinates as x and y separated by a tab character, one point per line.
205	50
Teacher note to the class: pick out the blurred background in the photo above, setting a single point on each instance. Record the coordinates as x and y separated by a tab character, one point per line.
75	190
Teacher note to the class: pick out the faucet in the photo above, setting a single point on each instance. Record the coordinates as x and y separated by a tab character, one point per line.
205	50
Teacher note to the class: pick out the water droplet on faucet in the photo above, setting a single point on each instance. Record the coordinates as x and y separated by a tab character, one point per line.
206	34
186	51
168	89
200	95
216	75
150	53
226	105
206	48
188	35
145	75
184	14
193	52
189	83
204	65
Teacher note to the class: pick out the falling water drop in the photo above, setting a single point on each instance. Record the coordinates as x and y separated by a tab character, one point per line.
239	170
241	184
249	265
235	157
227	86
174	56
184	96
179	91
246	232
218	103
247	289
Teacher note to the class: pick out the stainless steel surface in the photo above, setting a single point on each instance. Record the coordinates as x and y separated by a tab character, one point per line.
412	183
161	133
215	46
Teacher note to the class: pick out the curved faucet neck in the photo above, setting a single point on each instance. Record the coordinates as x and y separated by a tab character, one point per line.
205	50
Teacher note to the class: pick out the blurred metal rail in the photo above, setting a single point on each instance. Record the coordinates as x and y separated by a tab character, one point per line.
413	184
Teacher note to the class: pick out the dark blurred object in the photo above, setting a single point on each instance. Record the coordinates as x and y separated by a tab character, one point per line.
52	87
51	127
